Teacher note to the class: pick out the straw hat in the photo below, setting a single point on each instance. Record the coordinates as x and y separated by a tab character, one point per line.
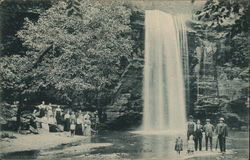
221	119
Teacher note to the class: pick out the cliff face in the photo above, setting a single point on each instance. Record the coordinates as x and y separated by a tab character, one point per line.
126	108
218	90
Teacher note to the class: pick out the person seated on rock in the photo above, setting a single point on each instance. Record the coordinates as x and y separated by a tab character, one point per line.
52	125
33	125
36	114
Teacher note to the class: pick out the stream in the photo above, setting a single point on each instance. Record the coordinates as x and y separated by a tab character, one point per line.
127	145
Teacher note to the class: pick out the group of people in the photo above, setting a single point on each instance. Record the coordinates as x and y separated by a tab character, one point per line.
196	132
56	120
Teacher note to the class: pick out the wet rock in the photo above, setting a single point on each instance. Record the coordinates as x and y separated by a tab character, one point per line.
244	128
127	103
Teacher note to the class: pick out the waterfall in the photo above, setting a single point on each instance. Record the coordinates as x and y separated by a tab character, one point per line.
164	89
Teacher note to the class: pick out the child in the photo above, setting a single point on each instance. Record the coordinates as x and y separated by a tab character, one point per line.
72	127
190	148
178	145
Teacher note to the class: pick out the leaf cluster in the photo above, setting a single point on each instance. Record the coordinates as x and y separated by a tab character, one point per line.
86	50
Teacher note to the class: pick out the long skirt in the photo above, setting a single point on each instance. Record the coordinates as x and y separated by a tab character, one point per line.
87	131
79	129
59	118
67	124
178	147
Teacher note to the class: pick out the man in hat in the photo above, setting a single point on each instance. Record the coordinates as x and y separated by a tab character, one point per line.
190	127
198	135
208	129
222	132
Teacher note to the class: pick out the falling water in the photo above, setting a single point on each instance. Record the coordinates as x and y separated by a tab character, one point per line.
183	43
164	91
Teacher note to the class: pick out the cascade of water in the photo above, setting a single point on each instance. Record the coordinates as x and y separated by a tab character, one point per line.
164	89
183	44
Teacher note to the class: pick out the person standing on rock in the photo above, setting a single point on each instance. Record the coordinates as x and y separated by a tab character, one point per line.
190	127
208	129
42	109
49	111
58	114
222	132
198	135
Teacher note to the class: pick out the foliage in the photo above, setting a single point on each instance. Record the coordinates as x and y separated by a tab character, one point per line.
225	23
12	17
221	28
218	15
12	73
8	111
86	50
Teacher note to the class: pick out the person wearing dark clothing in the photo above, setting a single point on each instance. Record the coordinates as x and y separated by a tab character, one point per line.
67	122
97	121
198	136
33	124
222	132
42	110
58	115
208	129
190	127
178	145
79	124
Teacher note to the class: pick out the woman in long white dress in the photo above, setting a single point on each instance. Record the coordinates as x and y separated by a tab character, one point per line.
87	127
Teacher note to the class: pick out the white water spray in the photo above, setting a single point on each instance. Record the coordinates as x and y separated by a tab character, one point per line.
164	91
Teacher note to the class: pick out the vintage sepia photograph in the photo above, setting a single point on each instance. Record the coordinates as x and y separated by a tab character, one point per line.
124	79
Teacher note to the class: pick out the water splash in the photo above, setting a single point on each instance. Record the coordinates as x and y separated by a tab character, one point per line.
164	91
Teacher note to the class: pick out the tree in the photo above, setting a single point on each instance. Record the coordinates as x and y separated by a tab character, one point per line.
12	14
86	50
225	23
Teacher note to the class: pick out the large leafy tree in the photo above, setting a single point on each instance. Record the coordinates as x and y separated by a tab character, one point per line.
87	40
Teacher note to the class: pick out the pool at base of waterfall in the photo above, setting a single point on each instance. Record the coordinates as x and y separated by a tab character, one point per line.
130	145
